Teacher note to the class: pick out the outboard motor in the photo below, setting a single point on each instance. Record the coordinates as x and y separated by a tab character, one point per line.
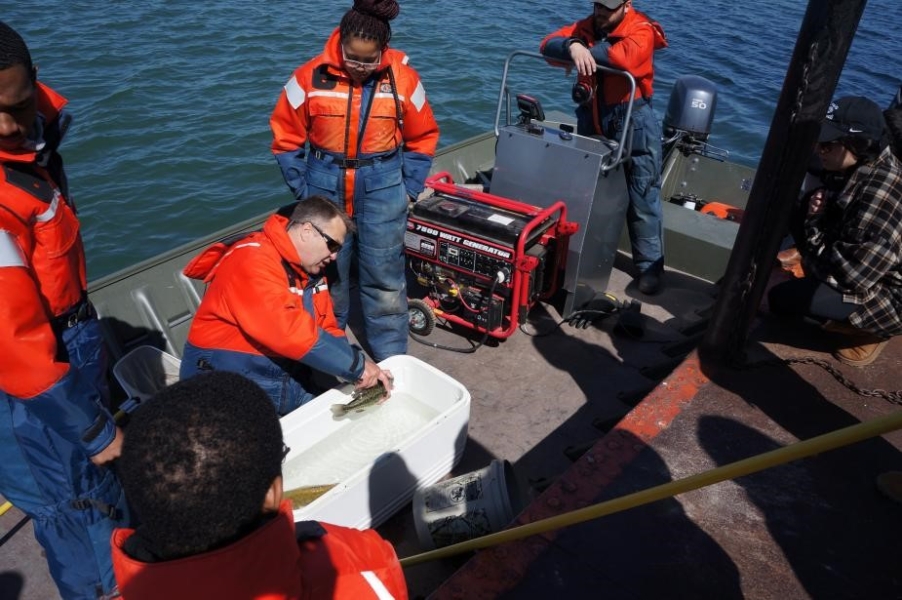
691	108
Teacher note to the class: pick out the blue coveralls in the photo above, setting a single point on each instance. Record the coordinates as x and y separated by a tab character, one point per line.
287	383
46	472
380	215
644	218
382	186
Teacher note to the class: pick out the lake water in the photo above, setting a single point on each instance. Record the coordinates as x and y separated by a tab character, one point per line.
172	99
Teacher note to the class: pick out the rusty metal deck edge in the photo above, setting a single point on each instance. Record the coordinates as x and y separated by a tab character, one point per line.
496	570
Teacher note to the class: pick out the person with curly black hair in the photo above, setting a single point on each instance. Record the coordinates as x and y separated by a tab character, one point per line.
57	436
354	125
201	466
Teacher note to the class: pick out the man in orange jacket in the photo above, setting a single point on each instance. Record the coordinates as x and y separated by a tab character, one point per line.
616	35
56	433
354	125
267	313
202	468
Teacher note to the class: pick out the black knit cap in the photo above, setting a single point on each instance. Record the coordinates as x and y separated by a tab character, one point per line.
852	116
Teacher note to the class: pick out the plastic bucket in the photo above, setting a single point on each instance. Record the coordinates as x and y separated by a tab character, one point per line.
465	507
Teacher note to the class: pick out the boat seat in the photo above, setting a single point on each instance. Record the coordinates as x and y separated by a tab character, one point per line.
146	370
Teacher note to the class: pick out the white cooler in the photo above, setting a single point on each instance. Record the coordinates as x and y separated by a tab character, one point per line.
376	458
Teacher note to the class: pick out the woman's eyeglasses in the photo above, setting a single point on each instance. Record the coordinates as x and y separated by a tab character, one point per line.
285	451
331	244
357	64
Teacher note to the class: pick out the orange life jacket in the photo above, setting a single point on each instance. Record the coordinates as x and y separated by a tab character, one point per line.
42	262
636	56
322	105
250	306
270	563
723	211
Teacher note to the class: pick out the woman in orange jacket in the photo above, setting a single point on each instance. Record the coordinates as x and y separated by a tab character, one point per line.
354	125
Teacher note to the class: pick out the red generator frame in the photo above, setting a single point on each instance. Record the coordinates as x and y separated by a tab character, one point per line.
485	259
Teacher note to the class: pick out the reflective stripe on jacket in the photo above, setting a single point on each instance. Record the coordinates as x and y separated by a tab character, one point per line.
42	263
251	307
271	563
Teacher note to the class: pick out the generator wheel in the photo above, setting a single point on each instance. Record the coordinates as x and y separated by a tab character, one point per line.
421	319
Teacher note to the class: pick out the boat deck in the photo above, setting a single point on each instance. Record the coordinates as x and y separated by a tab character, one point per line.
814	528
590	414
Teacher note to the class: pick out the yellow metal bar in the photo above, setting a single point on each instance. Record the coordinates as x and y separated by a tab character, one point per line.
760	462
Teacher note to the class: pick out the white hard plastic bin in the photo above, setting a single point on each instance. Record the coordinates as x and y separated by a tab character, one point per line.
377	458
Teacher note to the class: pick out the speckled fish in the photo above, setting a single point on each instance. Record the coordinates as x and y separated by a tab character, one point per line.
303	496
360	400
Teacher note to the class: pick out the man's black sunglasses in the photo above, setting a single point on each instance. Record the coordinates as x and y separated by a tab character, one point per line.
331	244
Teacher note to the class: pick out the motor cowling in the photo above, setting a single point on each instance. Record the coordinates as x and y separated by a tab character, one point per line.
691	107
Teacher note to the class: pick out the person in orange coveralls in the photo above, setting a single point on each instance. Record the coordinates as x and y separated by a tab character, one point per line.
202	467
267	313
56	432
618	36
354	125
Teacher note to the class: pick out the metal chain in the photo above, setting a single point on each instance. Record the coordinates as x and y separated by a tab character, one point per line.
892	397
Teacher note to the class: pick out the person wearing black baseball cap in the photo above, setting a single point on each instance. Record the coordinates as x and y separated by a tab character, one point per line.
852	251
618	36
853	116
856	124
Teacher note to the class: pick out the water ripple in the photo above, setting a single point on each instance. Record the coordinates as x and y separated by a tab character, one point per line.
172	99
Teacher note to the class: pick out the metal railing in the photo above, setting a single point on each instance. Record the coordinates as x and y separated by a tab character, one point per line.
504	101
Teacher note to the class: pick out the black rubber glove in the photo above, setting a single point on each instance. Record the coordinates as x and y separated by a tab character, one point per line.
597	308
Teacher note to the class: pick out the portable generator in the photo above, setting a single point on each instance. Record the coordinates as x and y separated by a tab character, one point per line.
482	260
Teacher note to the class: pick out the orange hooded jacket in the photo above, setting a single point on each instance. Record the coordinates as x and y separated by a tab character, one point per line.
632	46
42	262
321	105
253	309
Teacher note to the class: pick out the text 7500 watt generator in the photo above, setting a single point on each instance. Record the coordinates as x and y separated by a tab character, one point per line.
484	260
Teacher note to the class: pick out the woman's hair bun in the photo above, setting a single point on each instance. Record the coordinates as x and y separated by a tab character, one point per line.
381	9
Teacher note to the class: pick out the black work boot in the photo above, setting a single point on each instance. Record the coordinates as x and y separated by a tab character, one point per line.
650	279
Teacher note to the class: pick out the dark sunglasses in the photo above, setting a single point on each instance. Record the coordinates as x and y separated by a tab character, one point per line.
331	244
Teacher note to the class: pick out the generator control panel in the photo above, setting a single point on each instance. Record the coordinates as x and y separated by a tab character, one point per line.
468	236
